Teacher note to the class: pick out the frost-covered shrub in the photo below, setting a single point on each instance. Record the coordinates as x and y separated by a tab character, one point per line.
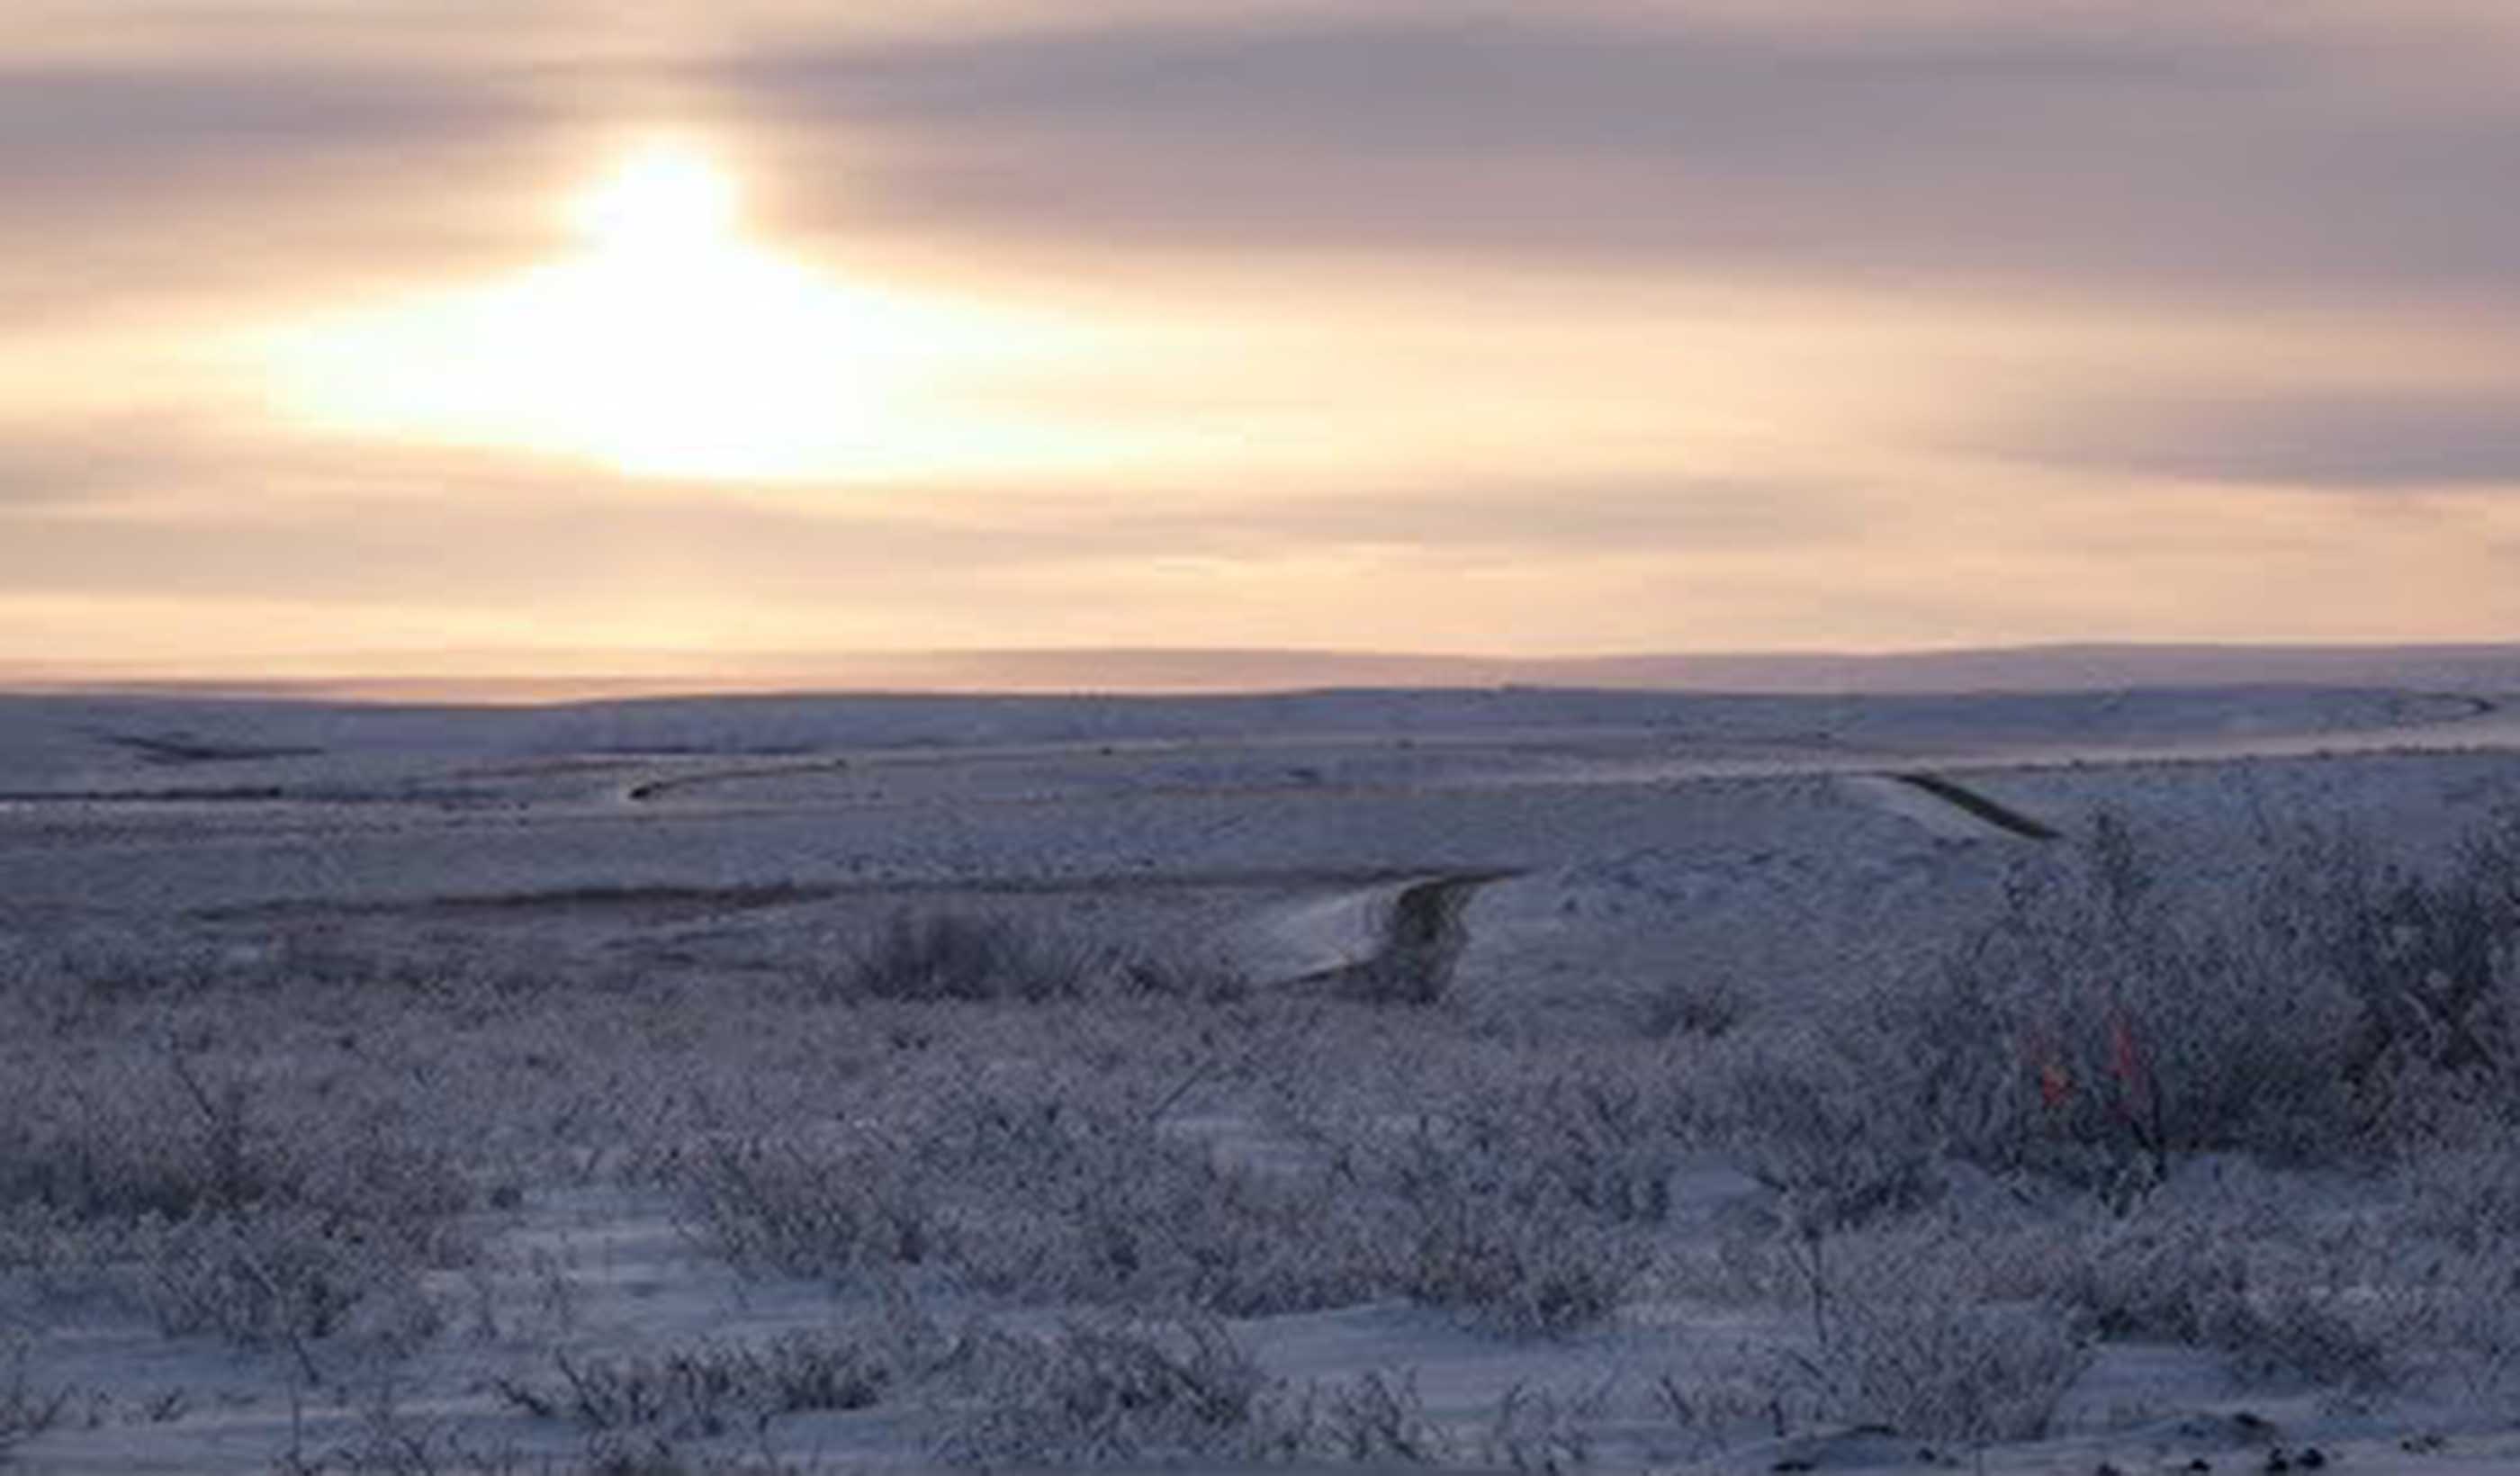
1038	1194
2114	1019
1099	1392
2159	1277
1829	1121
1499	1240
2279	1272
1180	1394
1058	1199
2464	1193
830	1210
1970	1372
966	958
959	956
1607	1141
1374	1419
279	1278
26	1408
2109	1022
708	1389
1541	1430
2272	1306
2430	957
1908	1337
1526	1202
165	1141
1530	1275
220	1206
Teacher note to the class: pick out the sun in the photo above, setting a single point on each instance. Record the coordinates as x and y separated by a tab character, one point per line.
669	343
665	197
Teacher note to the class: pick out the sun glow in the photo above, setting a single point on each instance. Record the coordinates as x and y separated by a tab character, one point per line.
665	197
673	345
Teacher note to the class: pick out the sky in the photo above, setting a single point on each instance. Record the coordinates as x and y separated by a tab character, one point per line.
391	327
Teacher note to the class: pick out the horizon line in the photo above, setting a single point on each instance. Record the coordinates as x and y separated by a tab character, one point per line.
560	674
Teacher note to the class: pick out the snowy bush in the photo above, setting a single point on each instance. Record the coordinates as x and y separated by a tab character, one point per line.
1907	1333
2430	958
1973	1374
1830	1121
2112	1020
26	1408
1058	1199
1180	1394
1499	1239
1106	1393
831	1211
220	1209
954	956
2119	1026
1036	1195
709	1389
964	957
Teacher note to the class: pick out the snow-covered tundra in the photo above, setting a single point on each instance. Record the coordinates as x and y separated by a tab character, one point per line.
1492	1079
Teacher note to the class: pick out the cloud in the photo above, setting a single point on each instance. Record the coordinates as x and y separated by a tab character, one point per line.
2118	150
1480	520
366	544
159	177
2336	441
2158	155
1342	239
82	135
166	504
83	464
532	550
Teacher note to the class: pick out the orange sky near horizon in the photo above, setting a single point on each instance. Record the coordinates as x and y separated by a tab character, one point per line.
387	327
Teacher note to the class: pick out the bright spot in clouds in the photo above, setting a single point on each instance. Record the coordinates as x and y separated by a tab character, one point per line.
672	345
666	198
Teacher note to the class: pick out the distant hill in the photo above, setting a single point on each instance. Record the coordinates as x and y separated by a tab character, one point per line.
539	676
2057	668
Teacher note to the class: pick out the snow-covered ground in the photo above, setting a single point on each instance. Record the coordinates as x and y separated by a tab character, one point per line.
572	950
